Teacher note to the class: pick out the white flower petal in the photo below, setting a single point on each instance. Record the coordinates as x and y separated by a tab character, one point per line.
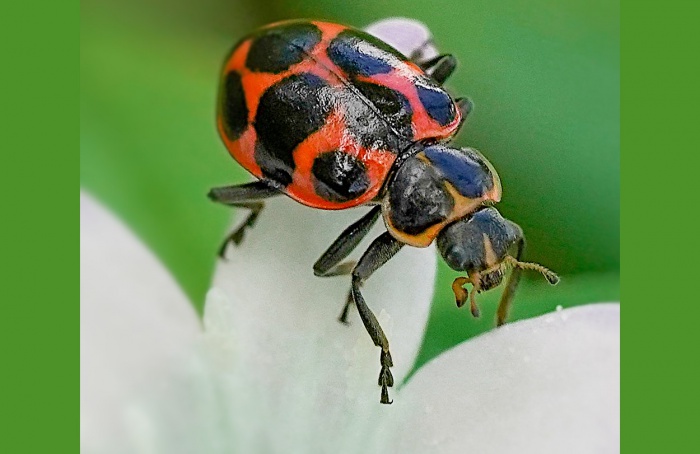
287	377
135	325
544	385
315	378
405	35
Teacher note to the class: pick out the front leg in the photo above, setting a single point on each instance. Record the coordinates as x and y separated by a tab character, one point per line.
512	284
379	252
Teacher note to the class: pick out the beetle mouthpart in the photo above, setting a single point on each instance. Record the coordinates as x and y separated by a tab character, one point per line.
548	274
461	294
472	298
476	313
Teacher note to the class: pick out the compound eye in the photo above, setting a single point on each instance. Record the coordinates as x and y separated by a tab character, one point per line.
461	250
476	242
455	256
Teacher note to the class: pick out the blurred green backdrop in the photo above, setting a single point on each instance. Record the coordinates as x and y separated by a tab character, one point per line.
544	76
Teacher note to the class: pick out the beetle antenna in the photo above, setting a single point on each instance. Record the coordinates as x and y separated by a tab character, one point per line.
548	274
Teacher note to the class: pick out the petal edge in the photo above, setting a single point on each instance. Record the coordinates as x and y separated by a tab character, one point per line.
544	385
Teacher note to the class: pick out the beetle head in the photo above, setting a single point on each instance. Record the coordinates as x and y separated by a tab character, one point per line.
479	245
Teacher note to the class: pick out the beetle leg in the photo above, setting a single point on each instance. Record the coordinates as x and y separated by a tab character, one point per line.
343	318
440	68
236	237
379	252
243	196
517	268
512	283
417	55
342	269
328	264
465	106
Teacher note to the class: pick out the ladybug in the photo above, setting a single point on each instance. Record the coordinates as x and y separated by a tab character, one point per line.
335	118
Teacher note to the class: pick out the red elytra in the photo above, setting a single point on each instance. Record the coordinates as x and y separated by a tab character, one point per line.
335	134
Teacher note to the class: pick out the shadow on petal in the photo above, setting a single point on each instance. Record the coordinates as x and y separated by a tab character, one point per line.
304	371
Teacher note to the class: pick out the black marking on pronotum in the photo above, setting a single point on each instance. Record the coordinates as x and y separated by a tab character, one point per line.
464	169
418	198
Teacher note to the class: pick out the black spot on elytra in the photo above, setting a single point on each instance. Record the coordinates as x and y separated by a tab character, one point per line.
437	103
288	112
234	111
355	55
418	198
339	177
382	120
392	105
276	49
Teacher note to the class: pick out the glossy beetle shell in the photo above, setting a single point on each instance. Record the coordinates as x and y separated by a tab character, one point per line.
323	110
434	188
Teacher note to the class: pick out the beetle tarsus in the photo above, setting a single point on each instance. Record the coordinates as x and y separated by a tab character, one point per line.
343	318
386	379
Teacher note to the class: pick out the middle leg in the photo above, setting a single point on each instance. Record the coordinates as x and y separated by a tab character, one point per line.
513	281
329	265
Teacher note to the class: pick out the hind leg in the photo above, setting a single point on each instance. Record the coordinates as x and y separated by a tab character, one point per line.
248	196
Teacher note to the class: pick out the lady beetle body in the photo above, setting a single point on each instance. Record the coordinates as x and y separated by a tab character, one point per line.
323	110
335	118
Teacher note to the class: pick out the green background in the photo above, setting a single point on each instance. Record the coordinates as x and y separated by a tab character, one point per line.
544	76
39	296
